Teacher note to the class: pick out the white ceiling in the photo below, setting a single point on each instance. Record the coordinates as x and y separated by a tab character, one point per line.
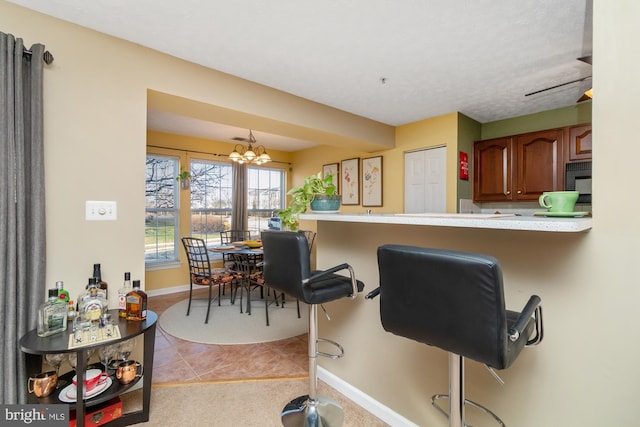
391	61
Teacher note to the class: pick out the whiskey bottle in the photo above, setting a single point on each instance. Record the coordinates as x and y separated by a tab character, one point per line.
52	316
63	294
122	295
101	283
136	303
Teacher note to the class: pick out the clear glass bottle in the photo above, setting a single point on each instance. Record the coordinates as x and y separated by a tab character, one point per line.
92	307
136	303
122	295
93	283
97	273
52	316
63	294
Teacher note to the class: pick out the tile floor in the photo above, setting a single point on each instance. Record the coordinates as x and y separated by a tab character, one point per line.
180	360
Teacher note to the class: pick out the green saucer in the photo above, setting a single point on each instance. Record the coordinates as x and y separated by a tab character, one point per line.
562	214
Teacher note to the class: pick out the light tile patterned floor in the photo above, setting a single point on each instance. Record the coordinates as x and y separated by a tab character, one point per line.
180	360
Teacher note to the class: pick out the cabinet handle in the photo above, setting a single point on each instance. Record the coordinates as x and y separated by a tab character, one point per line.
519	192
508	192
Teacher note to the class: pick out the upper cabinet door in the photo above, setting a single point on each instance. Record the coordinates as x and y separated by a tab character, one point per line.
580	142
492	169
539	164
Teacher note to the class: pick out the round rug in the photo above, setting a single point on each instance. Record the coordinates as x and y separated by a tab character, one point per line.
227	326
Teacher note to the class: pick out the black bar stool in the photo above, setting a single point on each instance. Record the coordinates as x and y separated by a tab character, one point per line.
287	268
454	301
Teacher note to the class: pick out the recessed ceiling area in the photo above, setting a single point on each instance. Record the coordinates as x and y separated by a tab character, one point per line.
392	62
162	121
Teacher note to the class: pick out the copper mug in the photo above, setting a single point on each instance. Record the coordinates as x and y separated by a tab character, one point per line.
128	371
43	383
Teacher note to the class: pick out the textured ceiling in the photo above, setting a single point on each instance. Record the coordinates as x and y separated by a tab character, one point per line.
391	61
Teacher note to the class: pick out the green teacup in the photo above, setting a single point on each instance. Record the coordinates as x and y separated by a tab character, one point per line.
559	201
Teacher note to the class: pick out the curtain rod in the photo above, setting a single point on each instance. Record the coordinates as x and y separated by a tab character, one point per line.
205	152
47	57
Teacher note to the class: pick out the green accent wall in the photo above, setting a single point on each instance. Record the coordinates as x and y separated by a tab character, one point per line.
573	115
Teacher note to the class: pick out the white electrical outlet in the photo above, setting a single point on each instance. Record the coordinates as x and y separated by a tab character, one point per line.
101	211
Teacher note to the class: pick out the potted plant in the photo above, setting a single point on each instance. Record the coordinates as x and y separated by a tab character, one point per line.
184	177
317	192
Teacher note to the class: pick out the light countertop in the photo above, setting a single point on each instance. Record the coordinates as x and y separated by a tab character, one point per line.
491	221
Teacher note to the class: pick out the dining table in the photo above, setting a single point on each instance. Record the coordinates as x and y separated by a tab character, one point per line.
245	260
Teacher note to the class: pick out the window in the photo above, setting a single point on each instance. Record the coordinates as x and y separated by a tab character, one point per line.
266	194
161	210
211	199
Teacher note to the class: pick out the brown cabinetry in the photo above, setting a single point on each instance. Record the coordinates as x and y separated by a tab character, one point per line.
579	142
518	168
492	175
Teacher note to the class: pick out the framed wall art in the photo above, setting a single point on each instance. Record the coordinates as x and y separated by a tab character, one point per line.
372	181
334	169
350	181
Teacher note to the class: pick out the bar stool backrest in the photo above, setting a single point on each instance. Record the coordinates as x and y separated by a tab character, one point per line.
448	299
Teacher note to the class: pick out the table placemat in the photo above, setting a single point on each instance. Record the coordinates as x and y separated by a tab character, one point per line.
88	337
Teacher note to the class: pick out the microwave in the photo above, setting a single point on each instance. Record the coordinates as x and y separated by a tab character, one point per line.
577	177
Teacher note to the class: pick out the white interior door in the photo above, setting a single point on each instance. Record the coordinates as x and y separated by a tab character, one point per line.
425	180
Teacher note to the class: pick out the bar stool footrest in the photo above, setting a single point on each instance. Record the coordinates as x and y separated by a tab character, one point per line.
330	355
466	402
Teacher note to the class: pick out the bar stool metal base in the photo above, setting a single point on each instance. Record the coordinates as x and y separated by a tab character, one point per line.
466	402
321	412
457	402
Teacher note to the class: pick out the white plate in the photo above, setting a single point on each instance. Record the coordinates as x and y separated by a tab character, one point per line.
68	394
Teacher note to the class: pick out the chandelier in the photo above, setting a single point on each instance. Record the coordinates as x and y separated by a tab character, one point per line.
249	154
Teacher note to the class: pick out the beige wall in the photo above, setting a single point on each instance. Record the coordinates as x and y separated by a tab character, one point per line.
585	371
96	94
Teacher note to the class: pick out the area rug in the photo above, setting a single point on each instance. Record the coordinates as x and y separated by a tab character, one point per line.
227	326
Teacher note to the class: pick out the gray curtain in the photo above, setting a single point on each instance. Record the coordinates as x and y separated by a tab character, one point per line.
239	217
22	219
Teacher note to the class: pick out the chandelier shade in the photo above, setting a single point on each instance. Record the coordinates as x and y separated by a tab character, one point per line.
257	155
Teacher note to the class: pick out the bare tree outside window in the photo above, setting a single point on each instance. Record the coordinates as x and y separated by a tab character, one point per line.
161	206
211	199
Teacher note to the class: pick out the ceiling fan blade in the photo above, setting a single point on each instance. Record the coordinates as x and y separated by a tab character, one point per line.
582	79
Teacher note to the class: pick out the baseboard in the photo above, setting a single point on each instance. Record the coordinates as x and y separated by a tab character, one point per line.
166	291
364	400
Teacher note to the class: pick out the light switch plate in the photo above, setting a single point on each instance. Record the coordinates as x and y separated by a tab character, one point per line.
101	211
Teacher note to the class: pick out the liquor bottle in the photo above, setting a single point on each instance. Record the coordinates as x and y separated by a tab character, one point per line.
71	312
92	307
136	303
122	295
63	294
101	283
93	283
52	316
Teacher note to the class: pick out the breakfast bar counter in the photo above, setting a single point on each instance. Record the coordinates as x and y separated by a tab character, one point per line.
538	255
490	221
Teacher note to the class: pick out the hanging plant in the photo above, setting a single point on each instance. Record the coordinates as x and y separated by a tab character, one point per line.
184	178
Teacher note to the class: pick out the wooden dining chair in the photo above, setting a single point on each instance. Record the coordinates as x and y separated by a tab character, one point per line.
201	273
